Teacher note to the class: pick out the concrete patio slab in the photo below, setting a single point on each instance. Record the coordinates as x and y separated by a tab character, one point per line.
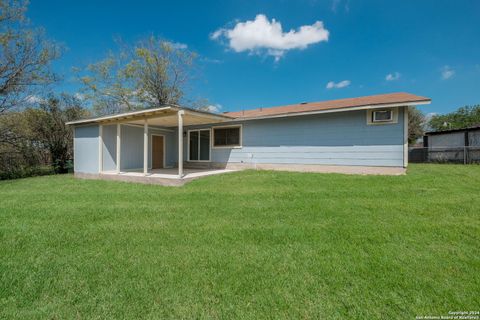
165	177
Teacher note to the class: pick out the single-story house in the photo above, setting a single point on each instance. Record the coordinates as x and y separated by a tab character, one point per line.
362	135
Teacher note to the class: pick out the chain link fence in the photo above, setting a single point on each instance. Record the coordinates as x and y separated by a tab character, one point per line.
461	155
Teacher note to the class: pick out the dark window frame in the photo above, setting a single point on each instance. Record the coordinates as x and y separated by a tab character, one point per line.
385	120
199	145
240	140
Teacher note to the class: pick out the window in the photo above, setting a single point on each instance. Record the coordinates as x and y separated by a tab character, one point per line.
385	116
227	137
199	145
382	116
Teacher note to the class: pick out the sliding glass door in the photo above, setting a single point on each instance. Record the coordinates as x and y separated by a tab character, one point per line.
199	145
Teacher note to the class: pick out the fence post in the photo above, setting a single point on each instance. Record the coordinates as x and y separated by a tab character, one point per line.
466	145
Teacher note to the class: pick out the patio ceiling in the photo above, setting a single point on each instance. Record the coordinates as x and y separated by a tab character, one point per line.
165	117
171	119
168	116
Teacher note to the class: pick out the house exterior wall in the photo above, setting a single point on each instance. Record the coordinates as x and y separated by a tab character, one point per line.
86	157
342	138
86	149
171	147
132	147
109	147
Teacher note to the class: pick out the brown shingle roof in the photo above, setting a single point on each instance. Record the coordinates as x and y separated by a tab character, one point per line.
382	99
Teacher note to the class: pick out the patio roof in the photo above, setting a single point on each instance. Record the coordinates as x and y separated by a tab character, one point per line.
164	116
167	116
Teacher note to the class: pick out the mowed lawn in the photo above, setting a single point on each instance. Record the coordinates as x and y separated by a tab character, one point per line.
249	245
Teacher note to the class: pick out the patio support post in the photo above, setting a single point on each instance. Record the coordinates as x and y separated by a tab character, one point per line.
180	143
100	148
405	137
118	147
145	147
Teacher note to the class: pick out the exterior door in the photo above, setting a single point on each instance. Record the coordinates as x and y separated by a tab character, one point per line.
157	152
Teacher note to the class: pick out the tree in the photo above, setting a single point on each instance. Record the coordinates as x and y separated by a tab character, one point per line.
25	56
461	118
51	132
38	137
416	124
17	152
150	74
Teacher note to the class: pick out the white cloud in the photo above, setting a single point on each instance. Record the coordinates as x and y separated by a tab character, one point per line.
339	85
217	34
429	116
79	96
33	99
215	108
392	76
211	60
336	4
178	45
264	36
447	72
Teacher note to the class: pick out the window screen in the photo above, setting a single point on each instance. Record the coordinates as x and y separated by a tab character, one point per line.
199	145
226	137
382	116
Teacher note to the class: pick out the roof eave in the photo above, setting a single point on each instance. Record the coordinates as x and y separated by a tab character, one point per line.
344	109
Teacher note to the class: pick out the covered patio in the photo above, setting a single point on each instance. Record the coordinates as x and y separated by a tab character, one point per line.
148	145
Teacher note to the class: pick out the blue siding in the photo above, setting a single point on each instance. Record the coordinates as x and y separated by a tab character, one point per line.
86	149
342	138
132	147
109	147
331	139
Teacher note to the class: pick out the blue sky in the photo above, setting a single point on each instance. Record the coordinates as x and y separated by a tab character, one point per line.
430	48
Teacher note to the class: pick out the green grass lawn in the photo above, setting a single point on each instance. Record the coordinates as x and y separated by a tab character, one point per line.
253	244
